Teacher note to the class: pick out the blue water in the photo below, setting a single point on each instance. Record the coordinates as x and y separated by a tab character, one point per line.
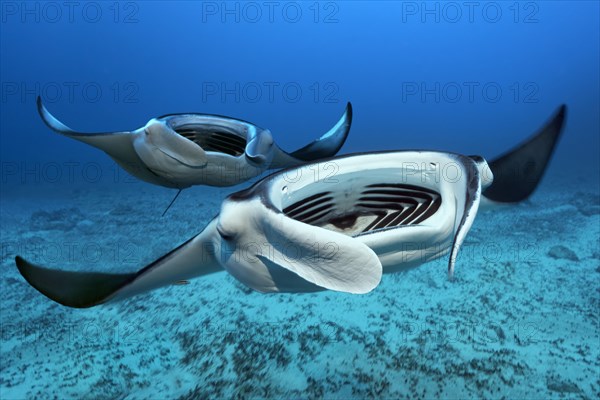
453	76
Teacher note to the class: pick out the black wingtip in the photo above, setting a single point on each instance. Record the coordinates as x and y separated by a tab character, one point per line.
558	119
42	111
329	144
52	122
71	288
20	263
518	172
349	115
349	111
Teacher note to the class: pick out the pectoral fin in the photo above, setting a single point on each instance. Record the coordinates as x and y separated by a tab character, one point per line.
118	145
71	288
88	289
519	171
326	146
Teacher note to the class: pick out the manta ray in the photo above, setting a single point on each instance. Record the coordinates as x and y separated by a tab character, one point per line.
181	150
372	213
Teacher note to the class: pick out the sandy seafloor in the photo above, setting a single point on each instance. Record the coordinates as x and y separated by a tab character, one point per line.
519	321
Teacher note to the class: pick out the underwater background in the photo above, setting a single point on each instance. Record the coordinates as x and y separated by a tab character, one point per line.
520	321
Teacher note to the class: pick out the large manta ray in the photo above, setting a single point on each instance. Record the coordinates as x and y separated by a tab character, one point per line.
370	213
181	150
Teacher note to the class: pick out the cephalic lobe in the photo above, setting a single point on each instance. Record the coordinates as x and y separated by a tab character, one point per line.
165	152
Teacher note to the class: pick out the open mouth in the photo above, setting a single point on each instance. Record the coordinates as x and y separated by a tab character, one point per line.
364	208
214	139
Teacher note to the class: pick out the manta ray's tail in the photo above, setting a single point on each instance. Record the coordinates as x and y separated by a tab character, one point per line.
519	171
324	147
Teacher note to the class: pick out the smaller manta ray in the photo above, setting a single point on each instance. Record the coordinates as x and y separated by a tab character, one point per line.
182	150
336	224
